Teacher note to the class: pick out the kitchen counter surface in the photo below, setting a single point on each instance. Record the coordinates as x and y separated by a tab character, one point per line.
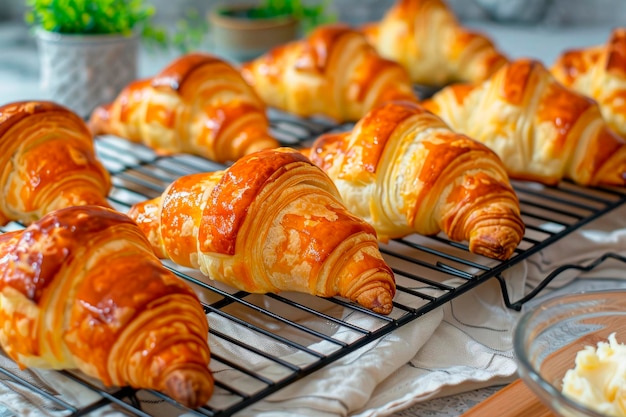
19	80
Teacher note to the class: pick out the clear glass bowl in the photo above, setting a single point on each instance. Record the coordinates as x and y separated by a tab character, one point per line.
549	335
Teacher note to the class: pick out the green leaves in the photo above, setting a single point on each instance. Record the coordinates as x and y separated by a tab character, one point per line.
124	17
309	15
190	31
89	16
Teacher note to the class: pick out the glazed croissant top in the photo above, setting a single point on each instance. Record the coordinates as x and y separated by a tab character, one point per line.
82	289
404	171
198	104
47	161
271	222
334	72
427	39
541	130
600	73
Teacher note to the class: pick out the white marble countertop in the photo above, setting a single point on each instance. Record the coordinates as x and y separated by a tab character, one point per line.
19	80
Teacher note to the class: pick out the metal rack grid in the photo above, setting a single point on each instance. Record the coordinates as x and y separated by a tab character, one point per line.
263	343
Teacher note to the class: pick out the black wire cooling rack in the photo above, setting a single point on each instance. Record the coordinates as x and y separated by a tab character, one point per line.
263	343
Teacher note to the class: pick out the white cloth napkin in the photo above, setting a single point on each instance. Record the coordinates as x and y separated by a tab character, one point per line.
464	345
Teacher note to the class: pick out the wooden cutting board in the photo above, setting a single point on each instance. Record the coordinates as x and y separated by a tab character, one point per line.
514	400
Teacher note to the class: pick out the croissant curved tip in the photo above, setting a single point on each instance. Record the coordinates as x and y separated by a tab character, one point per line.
378	300
499	252
262	143
99	119
192	387
246	71
616	178
495	245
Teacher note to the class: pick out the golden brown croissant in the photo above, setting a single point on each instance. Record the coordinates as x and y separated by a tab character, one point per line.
600	73
403	170
82	289
47	162
334	72
271	222
541	130
426	38
198	104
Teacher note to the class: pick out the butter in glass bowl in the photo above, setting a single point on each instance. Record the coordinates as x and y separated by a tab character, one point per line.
549	338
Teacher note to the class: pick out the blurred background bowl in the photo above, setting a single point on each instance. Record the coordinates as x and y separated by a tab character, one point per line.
549	335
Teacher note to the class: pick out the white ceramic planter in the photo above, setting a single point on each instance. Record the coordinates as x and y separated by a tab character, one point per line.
84	71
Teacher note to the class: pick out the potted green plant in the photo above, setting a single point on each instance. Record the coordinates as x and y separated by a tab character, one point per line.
244	30
88	49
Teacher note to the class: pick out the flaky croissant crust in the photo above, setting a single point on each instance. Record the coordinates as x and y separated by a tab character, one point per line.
403	170
600	73
198	104
81	288
271	222
426	38
47	161
541	130
333	72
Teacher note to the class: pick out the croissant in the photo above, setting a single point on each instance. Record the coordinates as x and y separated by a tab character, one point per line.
333	73
47	162
541	130
600	73
426	38
403	171
198	104
82	289
271	222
